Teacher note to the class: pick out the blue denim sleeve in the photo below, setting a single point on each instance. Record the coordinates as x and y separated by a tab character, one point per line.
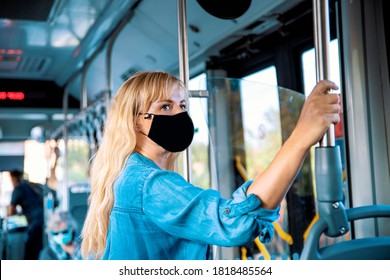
252	204
190	212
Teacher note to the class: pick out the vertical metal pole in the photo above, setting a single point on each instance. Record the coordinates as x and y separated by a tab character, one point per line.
328	168
65	107
108	73
321	41
84	95
64	195
110	47
184	71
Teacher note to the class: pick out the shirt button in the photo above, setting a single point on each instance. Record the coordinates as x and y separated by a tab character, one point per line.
227	210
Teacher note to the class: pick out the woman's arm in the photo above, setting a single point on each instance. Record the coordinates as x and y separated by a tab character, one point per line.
11	210
318	113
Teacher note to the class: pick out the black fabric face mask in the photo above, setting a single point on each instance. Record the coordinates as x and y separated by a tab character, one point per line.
173	133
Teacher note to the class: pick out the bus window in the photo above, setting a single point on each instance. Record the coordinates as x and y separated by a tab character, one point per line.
35	162
264	76
200	144
267	122
262	125
309	67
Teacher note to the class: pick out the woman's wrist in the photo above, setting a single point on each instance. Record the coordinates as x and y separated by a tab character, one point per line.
297	143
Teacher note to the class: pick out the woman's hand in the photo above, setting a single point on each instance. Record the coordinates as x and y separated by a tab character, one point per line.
320	110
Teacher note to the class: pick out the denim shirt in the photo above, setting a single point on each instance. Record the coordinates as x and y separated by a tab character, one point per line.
158	215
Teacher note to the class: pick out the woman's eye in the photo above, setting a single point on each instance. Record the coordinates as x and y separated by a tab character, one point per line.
184	107
165	107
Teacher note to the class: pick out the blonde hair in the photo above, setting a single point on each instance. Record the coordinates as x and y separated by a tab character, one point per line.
134	97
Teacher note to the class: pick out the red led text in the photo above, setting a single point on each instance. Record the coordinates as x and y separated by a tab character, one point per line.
11	95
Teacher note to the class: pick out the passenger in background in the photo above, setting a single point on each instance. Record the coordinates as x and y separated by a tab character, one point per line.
63	239
30	200
141	209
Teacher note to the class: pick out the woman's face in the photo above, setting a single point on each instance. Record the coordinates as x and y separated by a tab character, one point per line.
166	126
60	226
172	106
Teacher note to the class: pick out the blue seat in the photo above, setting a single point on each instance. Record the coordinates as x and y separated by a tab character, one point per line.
371	248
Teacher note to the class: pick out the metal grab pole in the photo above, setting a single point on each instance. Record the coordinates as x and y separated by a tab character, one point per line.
184	71
63	191
328	169
321	42
110	47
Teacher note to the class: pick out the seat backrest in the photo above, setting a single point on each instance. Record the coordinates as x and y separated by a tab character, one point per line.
78	206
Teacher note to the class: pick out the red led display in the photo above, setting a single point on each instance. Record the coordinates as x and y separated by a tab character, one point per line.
11	51
11	95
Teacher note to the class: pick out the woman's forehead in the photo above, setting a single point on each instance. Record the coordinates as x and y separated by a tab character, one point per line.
176	95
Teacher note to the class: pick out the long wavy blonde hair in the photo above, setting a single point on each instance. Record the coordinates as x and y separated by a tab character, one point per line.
135	96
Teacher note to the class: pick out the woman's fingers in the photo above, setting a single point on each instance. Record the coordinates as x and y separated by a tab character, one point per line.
320	110
332	101
324	86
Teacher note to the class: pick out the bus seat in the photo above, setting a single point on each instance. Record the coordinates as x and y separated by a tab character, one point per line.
373	248
367	248
78	205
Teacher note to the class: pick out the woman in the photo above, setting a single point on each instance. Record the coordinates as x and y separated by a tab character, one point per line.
63	239
140	209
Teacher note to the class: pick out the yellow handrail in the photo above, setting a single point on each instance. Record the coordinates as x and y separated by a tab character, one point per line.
244	255
283	235
306	233
262	249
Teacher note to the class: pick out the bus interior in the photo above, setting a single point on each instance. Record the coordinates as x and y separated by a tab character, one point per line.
248	65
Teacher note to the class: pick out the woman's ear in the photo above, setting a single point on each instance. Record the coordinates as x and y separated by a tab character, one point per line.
136	126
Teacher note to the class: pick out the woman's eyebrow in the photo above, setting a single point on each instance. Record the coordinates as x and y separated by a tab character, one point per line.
164	101
170	101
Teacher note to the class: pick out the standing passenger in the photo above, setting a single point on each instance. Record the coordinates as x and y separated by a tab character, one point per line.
31	202
140	209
